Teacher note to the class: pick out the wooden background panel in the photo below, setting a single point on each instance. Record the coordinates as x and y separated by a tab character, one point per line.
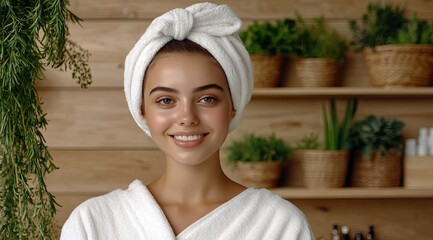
100	118
248	9
102	171
395	219
91	118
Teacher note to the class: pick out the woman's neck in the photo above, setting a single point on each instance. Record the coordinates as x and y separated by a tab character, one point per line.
192	184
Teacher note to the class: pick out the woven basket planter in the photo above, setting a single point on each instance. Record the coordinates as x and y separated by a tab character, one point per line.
317	72
317	169
260	174
377	171
400	65
267	70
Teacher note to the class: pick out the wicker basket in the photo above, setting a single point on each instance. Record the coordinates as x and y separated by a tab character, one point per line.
260	174
267	70
378	171
317	169
317	72
400	65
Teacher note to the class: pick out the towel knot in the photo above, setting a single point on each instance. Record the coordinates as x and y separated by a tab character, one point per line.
182	22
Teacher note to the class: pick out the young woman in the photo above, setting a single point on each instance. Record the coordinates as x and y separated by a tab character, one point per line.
187	81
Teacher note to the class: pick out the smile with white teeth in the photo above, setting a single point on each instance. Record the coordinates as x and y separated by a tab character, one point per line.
189	138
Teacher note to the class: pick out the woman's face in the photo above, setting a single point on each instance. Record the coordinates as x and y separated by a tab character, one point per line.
187	106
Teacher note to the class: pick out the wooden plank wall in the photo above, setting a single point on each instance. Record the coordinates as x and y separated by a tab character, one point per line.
98	147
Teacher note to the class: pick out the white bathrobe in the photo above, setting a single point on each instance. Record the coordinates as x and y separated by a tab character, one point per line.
134	214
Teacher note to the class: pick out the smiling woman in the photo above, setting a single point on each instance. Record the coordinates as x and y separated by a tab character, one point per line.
187	89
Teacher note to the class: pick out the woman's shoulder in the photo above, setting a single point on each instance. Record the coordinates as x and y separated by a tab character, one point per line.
112	200
267	201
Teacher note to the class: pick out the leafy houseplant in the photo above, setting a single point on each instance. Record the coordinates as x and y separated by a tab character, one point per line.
33	35
377	134
378	145
258	159
378	25
316	40
253	148
308	142
397	50
320	51
415	31
326	167
267	42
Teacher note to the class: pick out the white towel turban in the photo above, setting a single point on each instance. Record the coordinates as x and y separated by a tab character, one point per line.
213	27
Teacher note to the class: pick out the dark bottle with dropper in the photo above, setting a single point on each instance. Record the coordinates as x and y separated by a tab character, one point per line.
370	234
359	236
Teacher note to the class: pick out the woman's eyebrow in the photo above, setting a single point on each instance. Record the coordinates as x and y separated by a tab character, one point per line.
164	89
198	89
209	86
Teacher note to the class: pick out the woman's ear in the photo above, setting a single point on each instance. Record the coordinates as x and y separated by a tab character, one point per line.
233	114
142	111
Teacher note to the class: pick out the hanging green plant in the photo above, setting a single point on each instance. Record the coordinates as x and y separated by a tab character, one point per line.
33	35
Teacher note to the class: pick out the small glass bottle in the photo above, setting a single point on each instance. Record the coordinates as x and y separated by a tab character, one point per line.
335	233
345	232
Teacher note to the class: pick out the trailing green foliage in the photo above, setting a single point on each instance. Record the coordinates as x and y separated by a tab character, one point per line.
378	26
308	142
253	148
336	133
373	133
33	35
266	38
315	40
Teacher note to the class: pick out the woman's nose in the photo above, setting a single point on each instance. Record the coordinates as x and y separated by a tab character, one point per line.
187	115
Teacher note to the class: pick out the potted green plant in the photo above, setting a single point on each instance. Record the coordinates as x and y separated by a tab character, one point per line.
320	52
33	35
267	43
295	167
397	51
314	166
259	159
377	144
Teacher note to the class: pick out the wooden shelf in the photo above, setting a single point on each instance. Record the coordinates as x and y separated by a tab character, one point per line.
352	193
298	92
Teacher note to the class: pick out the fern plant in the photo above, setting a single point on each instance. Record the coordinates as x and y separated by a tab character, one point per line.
373	133
316	40
378	26
254	148
33	35
309	141
269	38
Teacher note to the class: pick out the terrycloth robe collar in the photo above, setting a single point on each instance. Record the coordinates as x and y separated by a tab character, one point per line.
135	214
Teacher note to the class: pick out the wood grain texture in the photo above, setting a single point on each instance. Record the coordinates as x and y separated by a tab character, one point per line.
102	171
246	9
418	172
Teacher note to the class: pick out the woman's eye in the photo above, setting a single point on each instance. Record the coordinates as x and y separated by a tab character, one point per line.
165	101
208	100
